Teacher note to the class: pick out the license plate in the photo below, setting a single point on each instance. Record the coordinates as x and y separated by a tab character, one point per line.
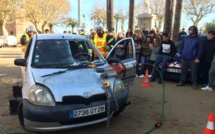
86	111
173	70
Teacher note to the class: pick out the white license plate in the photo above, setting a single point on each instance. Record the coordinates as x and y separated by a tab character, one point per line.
173	70
86	111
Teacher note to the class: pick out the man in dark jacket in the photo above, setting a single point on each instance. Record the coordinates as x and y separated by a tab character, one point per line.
207	56
167	51
191	51
181	33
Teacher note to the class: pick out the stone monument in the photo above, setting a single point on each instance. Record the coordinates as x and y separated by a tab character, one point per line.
147	19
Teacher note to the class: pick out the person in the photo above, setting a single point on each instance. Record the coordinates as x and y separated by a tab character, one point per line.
100	40
47	31
82	32
207	57
182	32
64	32
120	48
155	48
26	37
129	33
145	53
146	32
152	34
200	32
211	75
110	40
138	49
167	51
191	51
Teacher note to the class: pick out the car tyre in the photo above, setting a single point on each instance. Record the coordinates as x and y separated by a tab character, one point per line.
20	114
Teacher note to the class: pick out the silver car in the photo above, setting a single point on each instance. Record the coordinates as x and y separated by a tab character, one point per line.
65	86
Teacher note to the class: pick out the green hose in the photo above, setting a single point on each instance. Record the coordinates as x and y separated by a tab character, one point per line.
163	102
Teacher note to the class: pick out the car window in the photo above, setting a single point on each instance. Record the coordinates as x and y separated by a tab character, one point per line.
61	53
123	50
27	50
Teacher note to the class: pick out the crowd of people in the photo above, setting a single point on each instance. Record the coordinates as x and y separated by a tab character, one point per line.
197	54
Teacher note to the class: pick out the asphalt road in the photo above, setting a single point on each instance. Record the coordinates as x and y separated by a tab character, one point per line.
186	110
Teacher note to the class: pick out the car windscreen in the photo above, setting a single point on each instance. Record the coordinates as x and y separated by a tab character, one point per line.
62	53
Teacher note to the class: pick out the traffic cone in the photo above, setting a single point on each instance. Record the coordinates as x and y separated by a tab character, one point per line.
146	80
210	125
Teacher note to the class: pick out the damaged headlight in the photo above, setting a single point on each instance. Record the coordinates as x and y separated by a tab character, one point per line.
40	95
118	87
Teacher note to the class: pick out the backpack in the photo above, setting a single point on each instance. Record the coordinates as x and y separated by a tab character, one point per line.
23	39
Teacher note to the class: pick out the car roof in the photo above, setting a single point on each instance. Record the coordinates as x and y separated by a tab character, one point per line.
59	36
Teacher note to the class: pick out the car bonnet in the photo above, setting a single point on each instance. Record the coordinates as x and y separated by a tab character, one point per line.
73	82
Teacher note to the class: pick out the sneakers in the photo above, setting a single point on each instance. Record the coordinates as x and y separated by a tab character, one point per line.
150	75
207	88
141	76
194	86
180	84
136	75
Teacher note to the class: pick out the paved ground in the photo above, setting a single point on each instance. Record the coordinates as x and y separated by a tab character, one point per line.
186	110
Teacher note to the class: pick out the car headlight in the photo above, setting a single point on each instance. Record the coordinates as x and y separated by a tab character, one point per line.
40	95
118	87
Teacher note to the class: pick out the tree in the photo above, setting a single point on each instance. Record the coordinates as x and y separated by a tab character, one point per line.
169	7
131	15
197	9
210	26
157	8
177	20
117	17
45	12
71	22
110	14
98	14
7	8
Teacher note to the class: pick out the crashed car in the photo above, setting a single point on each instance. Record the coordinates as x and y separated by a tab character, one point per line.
65	87
173	67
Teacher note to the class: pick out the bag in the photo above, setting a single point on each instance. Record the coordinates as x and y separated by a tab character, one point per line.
119	52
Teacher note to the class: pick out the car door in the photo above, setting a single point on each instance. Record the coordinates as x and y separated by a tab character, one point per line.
126	56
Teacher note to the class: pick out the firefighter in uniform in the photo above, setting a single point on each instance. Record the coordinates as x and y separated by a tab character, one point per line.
26	37
100	41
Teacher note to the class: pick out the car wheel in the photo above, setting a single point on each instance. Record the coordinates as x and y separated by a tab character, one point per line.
20	114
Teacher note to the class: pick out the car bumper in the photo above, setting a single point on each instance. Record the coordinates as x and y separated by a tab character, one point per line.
47	118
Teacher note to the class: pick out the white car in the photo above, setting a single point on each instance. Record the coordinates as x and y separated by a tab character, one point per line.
1	41
65	87
10	41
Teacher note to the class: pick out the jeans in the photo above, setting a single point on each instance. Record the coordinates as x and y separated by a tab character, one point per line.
163	59
211	74
189	64
144	59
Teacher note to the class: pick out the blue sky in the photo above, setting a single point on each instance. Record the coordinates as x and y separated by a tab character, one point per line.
87	5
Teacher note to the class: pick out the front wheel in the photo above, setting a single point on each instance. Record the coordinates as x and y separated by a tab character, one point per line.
20	114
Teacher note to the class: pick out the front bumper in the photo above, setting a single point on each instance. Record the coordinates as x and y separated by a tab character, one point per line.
48	118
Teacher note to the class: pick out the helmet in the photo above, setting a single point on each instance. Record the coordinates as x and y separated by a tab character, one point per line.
30	28
98	26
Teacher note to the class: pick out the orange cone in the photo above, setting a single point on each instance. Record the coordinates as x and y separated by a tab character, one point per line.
146	80
210	125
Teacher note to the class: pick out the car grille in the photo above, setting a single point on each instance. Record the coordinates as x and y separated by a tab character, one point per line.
82	100
84	119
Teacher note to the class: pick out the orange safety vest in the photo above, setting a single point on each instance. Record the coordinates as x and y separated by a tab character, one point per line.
100	43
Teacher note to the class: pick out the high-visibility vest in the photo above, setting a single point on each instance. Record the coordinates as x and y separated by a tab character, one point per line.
100	43
23	46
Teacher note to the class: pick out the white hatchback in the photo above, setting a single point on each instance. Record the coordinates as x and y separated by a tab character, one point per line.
65	86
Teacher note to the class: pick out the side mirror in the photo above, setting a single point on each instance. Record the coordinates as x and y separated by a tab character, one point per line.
20	62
